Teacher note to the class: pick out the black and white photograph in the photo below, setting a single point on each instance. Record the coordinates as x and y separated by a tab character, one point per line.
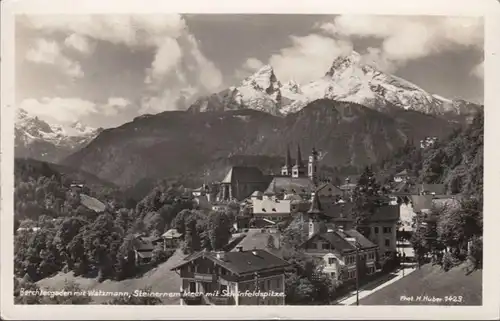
247	159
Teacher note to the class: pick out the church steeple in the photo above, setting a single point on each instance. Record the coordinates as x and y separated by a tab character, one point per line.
298	161
286	170
315	205
314	215
298	169
288	162
313	166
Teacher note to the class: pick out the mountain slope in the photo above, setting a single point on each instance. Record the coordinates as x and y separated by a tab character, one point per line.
349	79
35	138
178	143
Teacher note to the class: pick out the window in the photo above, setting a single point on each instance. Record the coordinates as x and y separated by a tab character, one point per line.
332	275
387	230
331	260
192	287
326	246
268	285
375	230
387	242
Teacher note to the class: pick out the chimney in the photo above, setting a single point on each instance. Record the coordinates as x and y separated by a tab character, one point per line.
239	248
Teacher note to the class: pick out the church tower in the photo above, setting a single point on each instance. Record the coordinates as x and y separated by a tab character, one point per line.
286	170
314	214
298	169
312	170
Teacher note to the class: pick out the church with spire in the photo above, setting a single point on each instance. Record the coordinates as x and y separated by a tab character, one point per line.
298	177
299	169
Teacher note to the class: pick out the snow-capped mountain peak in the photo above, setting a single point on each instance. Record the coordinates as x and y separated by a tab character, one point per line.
349	79
38	139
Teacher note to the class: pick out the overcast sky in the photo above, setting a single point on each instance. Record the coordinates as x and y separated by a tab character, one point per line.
104	70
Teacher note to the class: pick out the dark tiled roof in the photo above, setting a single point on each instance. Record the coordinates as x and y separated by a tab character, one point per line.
338	211
360	239
338	239
257	239
325	185
298	185
243	262
335	241
421	202
386	213
402	173
244	174
437	189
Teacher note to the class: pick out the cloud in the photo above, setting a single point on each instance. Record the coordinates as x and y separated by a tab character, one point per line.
478	70
79	43
177	75
49	52
114	106
408	38
308	58
250	66
130	30
59	110
178	68
253	64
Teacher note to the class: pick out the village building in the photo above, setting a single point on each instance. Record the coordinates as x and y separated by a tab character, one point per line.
144	247
214	274
340	250
171	239
240	182
383	228
272	209
402	176
429	189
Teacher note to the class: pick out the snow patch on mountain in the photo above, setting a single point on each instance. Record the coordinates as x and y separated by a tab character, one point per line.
40	140
348	79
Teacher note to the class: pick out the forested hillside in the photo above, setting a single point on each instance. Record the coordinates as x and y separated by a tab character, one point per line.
456	161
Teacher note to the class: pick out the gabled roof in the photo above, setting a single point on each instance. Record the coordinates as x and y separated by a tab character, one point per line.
240	263
329	185
92	203
402	173
290	185
171	234
360	239
145	255
338	239
244	174
143	244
